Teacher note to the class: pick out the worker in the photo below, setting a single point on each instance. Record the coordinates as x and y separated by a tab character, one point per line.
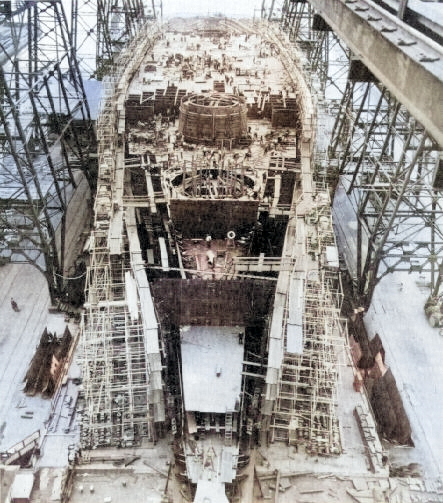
14	305
210	255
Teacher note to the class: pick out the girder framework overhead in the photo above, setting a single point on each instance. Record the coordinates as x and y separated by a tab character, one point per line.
325	56
382	163
386	165
45	134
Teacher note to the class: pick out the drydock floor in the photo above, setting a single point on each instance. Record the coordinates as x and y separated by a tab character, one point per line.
19	336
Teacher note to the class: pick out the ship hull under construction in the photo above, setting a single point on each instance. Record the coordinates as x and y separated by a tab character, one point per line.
213	291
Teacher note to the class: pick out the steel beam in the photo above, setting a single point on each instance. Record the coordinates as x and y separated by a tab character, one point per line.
409	64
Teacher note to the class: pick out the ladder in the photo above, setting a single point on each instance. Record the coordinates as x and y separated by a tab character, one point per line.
228	428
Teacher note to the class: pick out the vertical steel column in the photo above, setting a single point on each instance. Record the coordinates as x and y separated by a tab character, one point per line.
355	119
341	120
24	163
368	134
373	259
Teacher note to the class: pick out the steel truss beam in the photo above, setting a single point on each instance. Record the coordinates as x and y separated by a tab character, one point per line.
411	64
320	46
118	22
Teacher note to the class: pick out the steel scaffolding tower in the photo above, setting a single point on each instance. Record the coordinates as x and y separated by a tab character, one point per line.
102	28
45	135
379	161
386	165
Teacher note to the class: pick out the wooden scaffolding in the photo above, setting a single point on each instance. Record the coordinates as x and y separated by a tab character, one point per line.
119	347
304	411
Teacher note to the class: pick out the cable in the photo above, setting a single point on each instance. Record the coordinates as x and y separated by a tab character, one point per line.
76	277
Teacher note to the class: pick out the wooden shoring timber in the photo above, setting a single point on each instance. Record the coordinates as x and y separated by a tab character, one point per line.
284	163
260	264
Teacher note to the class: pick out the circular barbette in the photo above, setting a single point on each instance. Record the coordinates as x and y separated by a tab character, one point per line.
213	116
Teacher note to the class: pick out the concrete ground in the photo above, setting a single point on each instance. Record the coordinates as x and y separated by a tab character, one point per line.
19	335
414	351
134	475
